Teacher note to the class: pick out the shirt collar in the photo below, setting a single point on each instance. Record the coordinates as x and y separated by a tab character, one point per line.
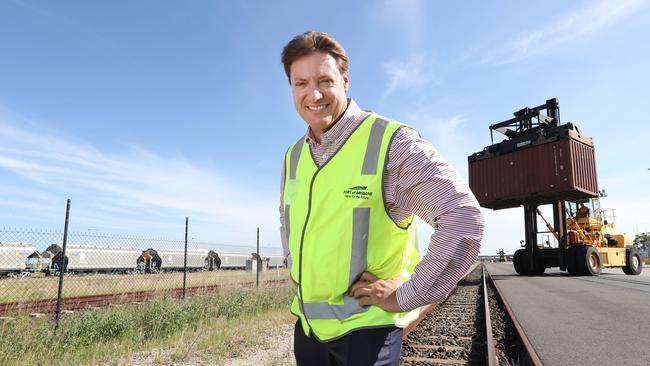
352	114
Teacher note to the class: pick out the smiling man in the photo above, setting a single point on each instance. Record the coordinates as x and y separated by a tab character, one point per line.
351	187
319	91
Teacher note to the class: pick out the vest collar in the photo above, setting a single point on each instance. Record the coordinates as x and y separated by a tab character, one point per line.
335	136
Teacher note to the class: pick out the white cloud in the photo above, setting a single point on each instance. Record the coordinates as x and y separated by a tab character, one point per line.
134	190
448	134
407	73
446	131
569	28
406	23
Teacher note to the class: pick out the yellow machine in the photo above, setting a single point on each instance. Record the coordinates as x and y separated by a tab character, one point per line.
587	227
589	246
502	255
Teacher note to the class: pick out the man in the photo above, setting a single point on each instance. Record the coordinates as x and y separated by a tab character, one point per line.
350	189
583	211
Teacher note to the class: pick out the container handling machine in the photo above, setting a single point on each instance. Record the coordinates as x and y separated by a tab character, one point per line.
544	162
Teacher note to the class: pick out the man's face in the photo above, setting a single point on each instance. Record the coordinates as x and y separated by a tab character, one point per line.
318	90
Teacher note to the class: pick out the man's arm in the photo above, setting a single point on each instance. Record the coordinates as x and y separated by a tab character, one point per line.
418	180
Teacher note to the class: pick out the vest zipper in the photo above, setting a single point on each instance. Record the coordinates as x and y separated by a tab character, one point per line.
302	241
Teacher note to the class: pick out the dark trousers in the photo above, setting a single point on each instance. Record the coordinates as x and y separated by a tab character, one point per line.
363	347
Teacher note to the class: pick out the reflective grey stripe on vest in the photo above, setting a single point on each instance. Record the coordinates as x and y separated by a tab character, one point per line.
374	145
287	221
323	310
295	156
293	167
358	264
360	228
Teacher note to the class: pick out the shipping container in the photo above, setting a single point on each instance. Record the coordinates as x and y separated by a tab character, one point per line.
537	170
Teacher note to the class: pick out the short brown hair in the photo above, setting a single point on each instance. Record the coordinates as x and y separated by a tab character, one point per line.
310	42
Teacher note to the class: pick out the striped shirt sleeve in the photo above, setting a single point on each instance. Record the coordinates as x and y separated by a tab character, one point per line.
418	180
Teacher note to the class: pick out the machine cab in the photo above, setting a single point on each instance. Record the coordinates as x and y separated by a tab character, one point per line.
590	222
589	213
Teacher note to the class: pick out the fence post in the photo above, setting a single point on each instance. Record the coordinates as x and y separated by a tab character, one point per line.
185	260
62	267
259	262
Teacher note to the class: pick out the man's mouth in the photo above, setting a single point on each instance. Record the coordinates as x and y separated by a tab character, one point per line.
316	108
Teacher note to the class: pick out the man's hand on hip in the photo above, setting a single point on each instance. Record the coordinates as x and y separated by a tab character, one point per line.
370	290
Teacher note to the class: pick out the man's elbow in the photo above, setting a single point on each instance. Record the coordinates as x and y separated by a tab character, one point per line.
472	220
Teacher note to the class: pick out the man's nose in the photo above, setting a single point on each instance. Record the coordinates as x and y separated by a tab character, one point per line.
315	94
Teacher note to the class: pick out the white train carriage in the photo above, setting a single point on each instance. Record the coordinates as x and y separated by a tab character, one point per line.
274	260
234	260
172	260
85	258
13	257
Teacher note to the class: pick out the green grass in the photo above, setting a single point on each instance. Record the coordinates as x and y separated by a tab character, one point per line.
37	288
211	324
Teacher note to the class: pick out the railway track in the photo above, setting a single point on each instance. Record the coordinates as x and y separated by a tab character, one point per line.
468	330
92	301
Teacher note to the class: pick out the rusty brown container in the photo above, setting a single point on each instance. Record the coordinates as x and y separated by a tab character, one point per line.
542	172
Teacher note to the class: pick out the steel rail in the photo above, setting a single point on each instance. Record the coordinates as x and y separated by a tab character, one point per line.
425	310
488	339
491	344
521	335
412	325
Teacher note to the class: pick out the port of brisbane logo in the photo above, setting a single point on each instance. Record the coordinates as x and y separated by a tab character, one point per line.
358	192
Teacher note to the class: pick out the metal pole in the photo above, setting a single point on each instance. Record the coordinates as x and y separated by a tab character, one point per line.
62	267
185	259
530	226
259	262
561	228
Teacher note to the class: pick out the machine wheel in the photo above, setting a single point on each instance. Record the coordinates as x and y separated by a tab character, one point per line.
516	262
588	261
633	263
520	262
571	261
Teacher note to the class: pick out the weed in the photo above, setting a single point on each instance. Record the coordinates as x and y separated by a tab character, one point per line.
111	333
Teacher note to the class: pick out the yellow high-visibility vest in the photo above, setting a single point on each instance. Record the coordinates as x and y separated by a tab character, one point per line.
337	226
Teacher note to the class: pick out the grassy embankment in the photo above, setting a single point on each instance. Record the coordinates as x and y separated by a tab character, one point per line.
36	288
217	327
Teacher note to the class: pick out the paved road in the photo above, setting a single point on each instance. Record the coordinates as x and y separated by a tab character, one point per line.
602	320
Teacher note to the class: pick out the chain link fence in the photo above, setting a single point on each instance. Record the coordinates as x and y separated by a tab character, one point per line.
98	269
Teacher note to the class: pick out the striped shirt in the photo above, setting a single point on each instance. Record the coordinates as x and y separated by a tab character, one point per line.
417	181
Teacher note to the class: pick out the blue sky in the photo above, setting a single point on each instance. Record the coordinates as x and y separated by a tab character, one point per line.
146	112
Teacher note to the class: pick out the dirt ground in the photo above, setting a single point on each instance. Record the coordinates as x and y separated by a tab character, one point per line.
276	351
279	351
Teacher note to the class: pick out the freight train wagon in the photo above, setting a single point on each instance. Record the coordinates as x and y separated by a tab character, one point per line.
172	260
234	260
87	259
13	257
82	258
274	261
